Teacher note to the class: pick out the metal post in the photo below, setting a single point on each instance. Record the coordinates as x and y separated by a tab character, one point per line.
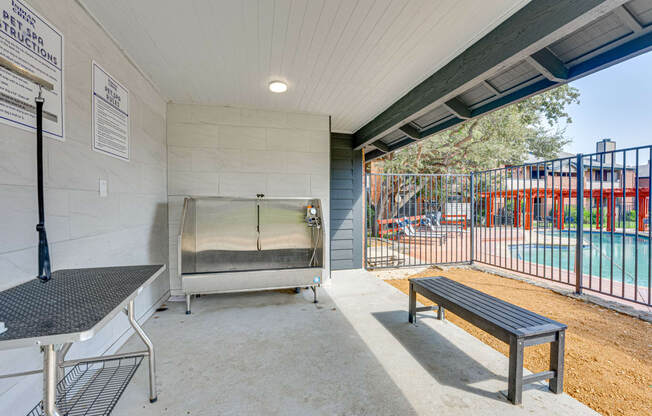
472	232
50	381
150	349
187	303
314	293
61	356
579	223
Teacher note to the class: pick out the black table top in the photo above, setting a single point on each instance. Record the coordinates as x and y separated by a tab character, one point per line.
71	305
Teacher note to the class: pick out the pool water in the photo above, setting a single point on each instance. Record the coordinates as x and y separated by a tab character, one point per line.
564	258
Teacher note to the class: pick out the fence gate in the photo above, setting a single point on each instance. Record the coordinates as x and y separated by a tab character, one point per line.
415	219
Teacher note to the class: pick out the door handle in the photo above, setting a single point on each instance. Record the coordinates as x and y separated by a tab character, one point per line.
258	245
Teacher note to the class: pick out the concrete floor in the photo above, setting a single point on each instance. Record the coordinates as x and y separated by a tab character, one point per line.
353	353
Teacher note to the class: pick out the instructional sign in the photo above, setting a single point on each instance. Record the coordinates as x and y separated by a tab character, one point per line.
110	115
31	42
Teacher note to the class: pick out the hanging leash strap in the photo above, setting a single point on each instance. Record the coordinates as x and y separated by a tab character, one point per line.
44	269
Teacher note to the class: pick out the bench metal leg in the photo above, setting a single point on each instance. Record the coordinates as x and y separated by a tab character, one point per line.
441	314
556	384
150	349
412	317
515	380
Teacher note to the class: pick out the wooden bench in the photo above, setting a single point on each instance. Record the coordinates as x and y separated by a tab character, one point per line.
515	326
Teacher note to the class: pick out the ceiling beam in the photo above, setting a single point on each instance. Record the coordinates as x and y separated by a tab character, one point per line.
531	28
627	50
458	108
374	154
548	65
411	131
380	145
627	18
490	87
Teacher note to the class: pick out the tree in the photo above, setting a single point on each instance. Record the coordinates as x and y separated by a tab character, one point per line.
503	137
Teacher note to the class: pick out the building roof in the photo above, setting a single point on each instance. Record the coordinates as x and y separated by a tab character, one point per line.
497	71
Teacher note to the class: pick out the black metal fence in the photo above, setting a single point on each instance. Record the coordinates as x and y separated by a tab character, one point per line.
417	219
582	221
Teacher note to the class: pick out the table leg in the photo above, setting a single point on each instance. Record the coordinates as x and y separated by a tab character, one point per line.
61	357
50	380
150	349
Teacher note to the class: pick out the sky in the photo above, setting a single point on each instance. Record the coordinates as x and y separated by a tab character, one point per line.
615	103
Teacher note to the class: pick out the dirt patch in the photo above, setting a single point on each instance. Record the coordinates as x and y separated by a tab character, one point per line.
608	363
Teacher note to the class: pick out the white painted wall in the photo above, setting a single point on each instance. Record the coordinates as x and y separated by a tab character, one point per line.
127	227
228	151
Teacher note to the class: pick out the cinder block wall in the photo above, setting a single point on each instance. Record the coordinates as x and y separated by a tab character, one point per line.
127	227
229	151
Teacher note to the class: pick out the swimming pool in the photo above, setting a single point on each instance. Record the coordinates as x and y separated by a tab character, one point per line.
597	259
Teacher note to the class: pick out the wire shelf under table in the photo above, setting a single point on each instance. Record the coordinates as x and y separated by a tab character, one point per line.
93	388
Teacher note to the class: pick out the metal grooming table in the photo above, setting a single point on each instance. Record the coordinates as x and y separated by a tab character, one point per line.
73	307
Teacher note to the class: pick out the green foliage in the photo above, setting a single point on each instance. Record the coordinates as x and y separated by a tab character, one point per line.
503	137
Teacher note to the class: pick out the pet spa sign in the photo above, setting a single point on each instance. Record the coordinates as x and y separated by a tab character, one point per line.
31	42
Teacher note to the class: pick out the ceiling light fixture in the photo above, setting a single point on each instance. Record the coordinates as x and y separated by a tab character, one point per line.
278	86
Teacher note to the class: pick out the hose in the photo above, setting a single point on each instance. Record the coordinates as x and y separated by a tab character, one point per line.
314	243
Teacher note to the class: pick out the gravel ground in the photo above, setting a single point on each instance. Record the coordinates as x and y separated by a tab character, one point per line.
608	354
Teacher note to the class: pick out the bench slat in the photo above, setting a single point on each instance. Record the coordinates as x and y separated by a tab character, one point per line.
510	318
487	324
491	304
462	302
522	317
521	314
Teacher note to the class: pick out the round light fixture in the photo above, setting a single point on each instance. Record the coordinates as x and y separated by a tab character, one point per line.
278	86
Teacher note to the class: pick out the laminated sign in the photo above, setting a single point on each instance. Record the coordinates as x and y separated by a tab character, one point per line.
31	42
110	115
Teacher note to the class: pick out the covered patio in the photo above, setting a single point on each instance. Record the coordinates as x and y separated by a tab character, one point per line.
353	353
267	102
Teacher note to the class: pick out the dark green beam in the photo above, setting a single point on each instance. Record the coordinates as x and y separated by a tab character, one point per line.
458	108
378	144
548	65
534	23
410	131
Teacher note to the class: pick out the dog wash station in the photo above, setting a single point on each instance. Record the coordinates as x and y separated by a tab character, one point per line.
239	244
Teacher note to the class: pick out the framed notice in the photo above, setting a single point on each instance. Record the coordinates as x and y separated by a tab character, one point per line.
31	42
110	115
